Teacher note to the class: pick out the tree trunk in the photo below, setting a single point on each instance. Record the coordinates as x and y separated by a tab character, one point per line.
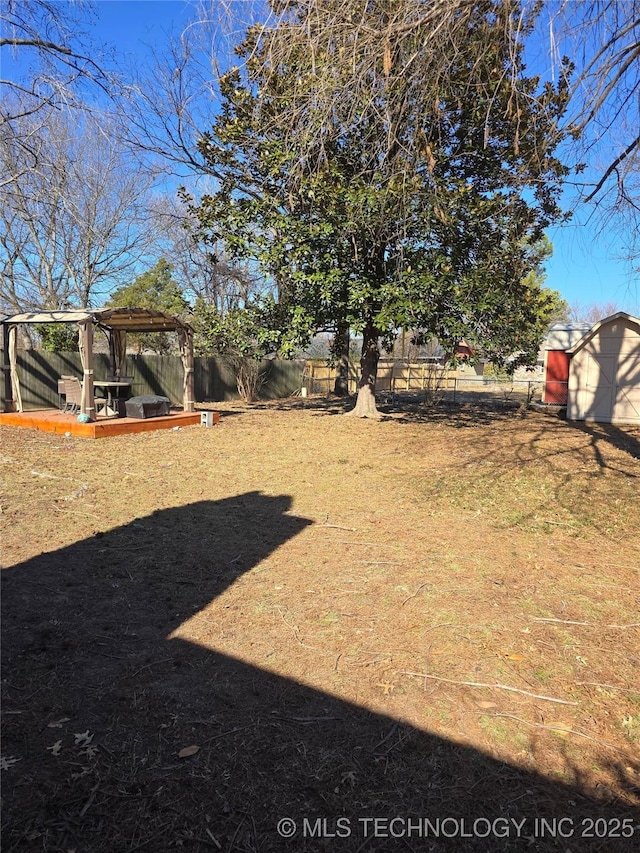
366	402
341	385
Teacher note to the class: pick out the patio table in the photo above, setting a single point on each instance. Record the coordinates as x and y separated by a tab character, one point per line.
111	386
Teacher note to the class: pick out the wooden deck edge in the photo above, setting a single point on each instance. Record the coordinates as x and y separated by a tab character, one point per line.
99	429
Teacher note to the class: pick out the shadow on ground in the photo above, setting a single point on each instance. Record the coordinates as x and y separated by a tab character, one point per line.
627	439
404	408
99	701
329	405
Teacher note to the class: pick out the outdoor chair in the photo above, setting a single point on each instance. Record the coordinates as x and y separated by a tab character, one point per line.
62	403
72	390
61	400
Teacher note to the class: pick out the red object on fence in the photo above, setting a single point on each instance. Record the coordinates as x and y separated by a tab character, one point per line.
556	378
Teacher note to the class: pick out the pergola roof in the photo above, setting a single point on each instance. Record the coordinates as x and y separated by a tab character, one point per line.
124	319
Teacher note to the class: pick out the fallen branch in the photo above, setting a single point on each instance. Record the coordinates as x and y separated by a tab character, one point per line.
224	734
92	796
387	736
147	666
296	632
306	721
489	686
590	624
409	597
213	838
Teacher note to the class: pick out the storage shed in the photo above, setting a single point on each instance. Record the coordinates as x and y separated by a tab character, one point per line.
604	372
560	339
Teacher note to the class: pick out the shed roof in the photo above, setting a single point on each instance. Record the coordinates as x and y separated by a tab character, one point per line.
593	331
561	336
125	319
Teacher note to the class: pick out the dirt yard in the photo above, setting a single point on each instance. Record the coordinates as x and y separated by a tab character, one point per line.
296	615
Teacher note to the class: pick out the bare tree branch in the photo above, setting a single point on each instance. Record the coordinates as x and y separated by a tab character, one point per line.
39	43
54	35
613	167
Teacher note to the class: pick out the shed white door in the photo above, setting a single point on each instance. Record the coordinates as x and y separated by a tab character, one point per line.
626	405
600	386
612	389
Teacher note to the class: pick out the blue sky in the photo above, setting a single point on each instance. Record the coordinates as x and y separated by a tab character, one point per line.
588	264
131	25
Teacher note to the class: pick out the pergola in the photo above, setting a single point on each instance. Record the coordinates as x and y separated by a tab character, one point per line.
116	322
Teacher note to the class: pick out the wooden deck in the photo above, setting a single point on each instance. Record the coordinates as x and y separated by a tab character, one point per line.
51	420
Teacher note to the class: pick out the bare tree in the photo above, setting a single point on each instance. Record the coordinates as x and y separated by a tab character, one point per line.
605	91
73	211
51	39
203	271
167	105
169	100
603	40
592	313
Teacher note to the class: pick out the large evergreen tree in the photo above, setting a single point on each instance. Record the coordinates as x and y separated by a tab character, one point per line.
397	188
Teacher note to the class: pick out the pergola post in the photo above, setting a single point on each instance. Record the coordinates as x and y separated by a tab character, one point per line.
88	404
9	404
189	385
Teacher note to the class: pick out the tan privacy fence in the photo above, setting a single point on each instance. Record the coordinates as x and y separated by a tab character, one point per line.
393	376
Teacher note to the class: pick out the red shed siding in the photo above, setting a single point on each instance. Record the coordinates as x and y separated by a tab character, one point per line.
556	377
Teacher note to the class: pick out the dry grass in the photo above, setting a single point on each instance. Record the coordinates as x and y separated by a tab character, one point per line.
436	615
